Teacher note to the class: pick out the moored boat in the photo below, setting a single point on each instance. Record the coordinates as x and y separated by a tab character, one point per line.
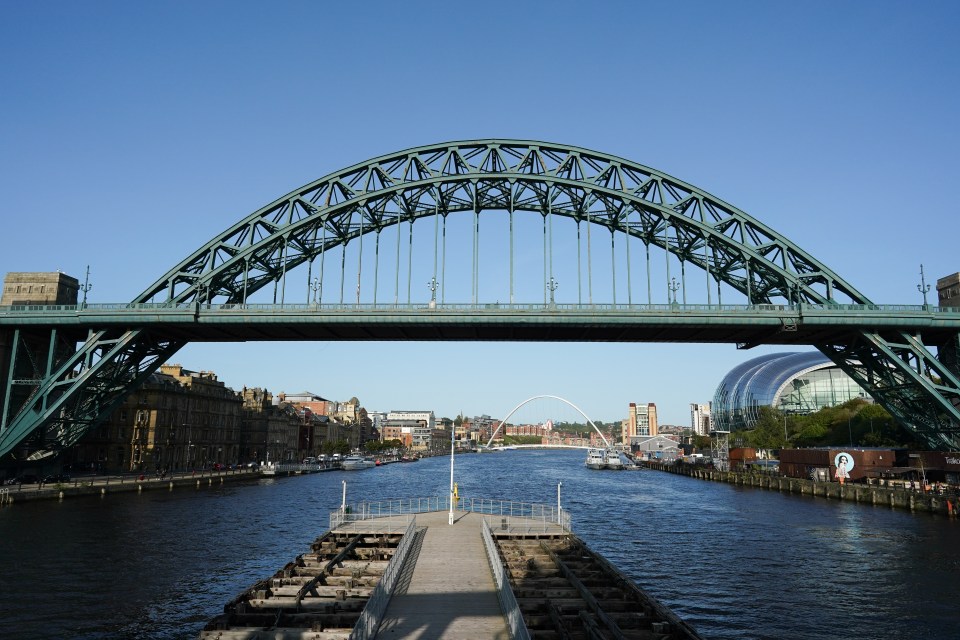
595	459
612	460
352	463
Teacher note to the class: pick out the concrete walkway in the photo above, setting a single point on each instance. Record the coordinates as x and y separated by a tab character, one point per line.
447	589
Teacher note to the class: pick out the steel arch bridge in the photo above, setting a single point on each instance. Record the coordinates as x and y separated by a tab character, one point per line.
64	369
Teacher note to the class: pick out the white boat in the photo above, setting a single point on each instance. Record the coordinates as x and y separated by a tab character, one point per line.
612	460
351	463
608	459
595	459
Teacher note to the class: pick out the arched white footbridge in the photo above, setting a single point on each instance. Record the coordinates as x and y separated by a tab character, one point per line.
575	407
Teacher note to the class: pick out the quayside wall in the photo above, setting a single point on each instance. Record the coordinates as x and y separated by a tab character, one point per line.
102	485
861	493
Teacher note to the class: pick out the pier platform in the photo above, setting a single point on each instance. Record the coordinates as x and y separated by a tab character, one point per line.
399	570
448	590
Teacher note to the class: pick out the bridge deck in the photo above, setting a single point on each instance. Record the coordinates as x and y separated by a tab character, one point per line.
447	590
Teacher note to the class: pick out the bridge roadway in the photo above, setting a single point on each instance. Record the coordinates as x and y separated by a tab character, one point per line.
804	324
451	593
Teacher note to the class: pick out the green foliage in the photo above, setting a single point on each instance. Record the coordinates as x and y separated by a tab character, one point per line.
522	440
702	443
857	421
375	446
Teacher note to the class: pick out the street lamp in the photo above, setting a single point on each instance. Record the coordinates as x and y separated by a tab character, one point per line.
923	287
552	285
673	287
87	286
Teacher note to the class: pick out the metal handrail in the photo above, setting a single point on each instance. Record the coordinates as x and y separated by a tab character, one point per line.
508	601
531	512
376	606
154	307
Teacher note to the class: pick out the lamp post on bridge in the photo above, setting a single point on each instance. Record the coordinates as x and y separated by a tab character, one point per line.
923	287
673	287
432	284
316	286
85	288
552	285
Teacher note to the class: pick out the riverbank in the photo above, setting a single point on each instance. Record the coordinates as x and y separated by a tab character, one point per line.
861	493
106	484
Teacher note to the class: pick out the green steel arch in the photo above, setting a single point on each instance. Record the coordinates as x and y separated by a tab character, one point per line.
72	393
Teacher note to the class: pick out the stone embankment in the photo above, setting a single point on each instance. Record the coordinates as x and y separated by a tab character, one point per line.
104	485
861	493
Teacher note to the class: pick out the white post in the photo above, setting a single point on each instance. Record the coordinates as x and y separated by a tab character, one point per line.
450	519
343	502
559	512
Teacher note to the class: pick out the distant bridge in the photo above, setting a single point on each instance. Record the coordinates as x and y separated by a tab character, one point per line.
536	446
620	236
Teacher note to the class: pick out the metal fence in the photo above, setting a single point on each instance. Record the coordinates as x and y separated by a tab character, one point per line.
529	517
376	606
258	307
508	602
366	523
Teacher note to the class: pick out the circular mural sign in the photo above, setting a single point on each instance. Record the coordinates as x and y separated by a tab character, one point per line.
845	459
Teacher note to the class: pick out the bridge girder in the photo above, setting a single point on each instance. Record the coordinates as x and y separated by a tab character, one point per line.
439	180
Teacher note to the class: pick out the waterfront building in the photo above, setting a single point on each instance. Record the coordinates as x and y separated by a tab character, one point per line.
700	418
309	400
422	424
271	432
524	430
641	421
401	430
798	382
377	418
440	440
658	447
178	419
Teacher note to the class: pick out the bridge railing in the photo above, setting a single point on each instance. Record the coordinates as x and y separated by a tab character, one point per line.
369	621
215	308
508	601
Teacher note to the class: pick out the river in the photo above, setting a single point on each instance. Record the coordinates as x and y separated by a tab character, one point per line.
736	562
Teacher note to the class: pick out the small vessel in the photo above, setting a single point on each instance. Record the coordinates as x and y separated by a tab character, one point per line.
595	459
613	461
352	463
610	458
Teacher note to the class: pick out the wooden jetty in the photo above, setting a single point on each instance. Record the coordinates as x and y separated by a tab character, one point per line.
498	572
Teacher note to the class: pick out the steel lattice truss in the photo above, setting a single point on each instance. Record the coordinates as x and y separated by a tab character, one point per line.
474	176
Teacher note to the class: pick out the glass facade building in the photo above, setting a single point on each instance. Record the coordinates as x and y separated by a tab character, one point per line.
801	382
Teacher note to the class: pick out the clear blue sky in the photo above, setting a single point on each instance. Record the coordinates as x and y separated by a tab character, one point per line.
134	132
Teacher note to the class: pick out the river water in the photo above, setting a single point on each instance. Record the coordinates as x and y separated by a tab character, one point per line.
736	562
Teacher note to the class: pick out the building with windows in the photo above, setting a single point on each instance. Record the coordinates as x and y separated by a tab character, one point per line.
802	382
420	424
948	291
700	419
641	421
178	419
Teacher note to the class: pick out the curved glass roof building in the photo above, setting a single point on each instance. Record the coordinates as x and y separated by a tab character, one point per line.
801	382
